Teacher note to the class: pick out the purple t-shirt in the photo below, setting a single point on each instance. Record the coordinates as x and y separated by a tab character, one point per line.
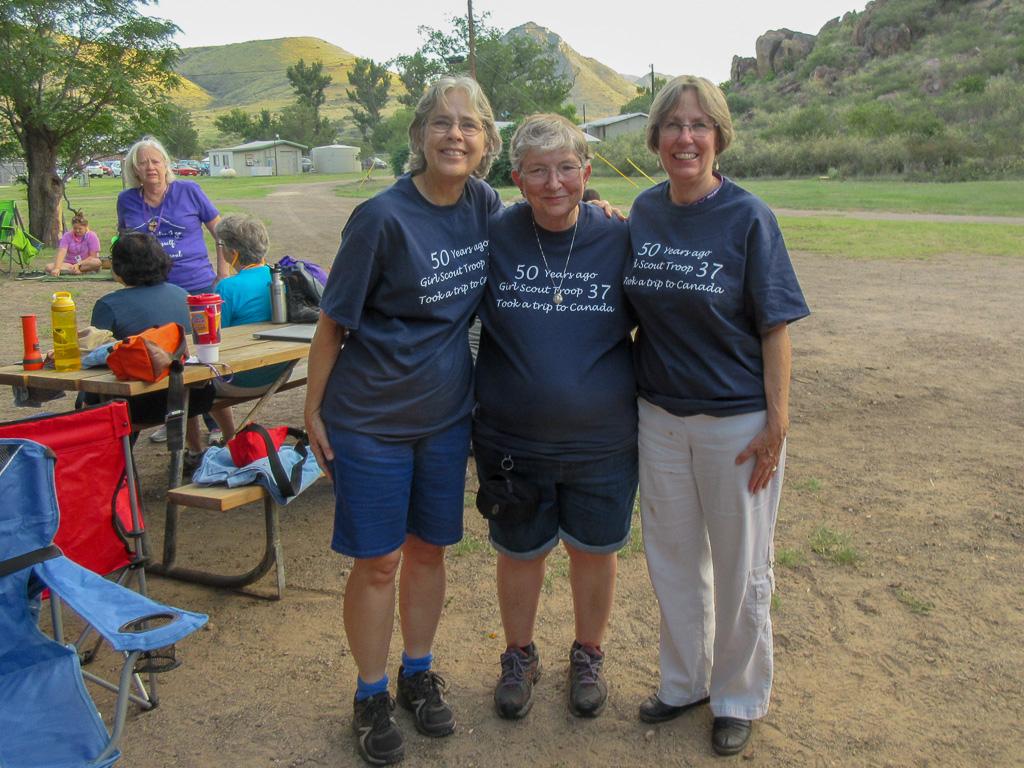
178	224
407	279
79	248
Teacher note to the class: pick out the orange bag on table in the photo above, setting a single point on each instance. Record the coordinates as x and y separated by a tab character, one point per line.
149	355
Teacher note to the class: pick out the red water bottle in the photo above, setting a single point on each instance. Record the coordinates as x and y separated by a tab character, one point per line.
33	360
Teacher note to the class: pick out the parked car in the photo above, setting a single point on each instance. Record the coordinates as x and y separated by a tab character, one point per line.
185	170
115	167
307	165
96	168
379	162
204	168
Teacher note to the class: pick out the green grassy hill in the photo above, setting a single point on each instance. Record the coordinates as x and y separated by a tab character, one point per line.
920	88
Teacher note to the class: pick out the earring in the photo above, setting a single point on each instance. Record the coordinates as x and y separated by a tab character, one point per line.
716	165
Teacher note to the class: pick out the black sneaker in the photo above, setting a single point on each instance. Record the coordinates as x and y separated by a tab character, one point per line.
190	463
520	669
380	741
420	693
588	691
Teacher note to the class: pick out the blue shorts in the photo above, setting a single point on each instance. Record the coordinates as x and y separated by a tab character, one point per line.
588	504
384	490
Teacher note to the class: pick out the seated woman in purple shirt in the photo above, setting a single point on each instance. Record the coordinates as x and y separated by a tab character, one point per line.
78	252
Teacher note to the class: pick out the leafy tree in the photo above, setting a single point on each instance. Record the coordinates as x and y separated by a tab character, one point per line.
248	127
392	132
237	122
416	72
175	130
298	123
500	174
643	99
78	78
372	82
518	74
310	84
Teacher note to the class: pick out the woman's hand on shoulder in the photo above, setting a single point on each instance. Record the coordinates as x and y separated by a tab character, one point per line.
609	209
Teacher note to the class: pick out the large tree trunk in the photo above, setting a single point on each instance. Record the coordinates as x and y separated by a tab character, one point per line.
45	189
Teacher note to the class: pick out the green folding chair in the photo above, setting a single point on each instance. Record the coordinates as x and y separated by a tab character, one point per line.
16	245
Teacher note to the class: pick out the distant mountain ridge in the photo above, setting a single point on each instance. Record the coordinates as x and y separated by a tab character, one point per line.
252	76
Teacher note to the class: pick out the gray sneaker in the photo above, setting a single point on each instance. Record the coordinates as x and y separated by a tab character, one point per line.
421	694
380	741
588	691
520	669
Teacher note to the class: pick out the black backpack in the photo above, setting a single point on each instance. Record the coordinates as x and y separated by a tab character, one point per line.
302	293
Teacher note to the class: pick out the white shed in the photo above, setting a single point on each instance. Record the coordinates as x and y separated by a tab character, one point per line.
336	158
258	158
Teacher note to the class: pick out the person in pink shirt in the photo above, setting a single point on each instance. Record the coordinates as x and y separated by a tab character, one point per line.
78	252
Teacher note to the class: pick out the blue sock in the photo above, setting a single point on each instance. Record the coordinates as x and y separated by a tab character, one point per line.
412	666
366	690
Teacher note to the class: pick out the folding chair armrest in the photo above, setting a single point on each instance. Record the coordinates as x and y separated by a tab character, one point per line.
117	612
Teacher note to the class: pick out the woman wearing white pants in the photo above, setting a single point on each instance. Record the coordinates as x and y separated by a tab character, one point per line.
714	291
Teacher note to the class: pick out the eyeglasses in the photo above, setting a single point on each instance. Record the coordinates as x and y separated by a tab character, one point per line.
466	127
564	172
699	130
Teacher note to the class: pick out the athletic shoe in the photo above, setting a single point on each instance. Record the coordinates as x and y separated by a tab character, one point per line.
215	437
520	669
190	463
588	691
380	741
159	435
420	693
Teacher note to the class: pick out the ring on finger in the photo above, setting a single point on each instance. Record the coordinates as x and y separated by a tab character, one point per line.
775	468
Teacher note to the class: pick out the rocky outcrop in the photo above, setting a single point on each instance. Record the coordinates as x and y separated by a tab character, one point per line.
741	67
778	50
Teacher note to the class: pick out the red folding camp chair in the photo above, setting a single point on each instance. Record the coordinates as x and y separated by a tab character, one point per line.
101	526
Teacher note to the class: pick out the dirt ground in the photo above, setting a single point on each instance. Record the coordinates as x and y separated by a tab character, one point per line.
908	385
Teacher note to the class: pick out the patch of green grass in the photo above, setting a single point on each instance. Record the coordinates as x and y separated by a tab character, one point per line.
808	484
789	558
914	603
467	546
859	239
834	546
558	568
776	602
635	544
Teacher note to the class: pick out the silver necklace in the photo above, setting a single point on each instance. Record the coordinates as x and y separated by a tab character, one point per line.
557	299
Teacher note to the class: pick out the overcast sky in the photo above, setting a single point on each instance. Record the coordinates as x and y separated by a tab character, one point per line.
676	38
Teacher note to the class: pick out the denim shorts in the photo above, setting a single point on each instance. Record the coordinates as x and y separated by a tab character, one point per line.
587	504
386	489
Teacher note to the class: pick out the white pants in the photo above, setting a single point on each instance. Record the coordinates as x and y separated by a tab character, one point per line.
710	553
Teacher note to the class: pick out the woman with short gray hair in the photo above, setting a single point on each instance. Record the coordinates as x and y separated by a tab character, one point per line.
556	405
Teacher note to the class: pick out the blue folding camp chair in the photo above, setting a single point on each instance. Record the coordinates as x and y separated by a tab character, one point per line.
47	717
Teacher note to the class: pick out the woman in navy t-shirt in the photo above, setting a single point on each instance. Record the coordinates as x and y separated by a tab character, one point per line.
714	290
557	405
389	395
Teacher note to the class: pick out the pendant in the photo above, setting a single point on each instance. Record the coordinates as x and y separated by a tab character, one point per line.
558	298
152	226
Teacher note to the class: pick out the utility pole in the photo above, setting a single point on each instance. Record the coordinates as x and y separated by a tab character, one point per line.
472	43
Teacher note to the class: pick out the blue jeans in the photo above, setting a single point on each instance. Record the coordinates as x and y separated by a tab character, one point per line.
386	489
588	504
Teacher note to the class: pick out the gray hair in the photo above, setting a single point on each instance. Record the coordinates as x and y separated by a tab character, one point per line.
245	234
131	178
711	100
545	133
435	97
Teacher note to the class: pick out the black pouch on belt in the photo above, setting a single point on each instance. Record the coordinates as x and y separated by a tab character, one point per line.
507	499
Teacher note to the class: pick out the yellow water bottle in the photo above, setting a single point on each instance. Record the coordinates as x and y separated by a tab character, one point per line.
65	333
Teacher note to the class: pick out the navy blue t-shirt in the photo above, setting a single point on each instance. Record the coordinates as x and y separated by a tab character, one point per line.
556	380
405	282
706	280
131	310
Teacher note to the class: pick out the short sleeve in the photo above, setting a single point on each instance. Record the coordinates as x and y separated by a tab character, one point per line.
102	316
772	290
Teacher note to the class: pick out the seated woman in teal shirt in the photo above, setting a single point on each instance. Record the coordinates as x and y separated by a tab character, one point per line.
244	243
